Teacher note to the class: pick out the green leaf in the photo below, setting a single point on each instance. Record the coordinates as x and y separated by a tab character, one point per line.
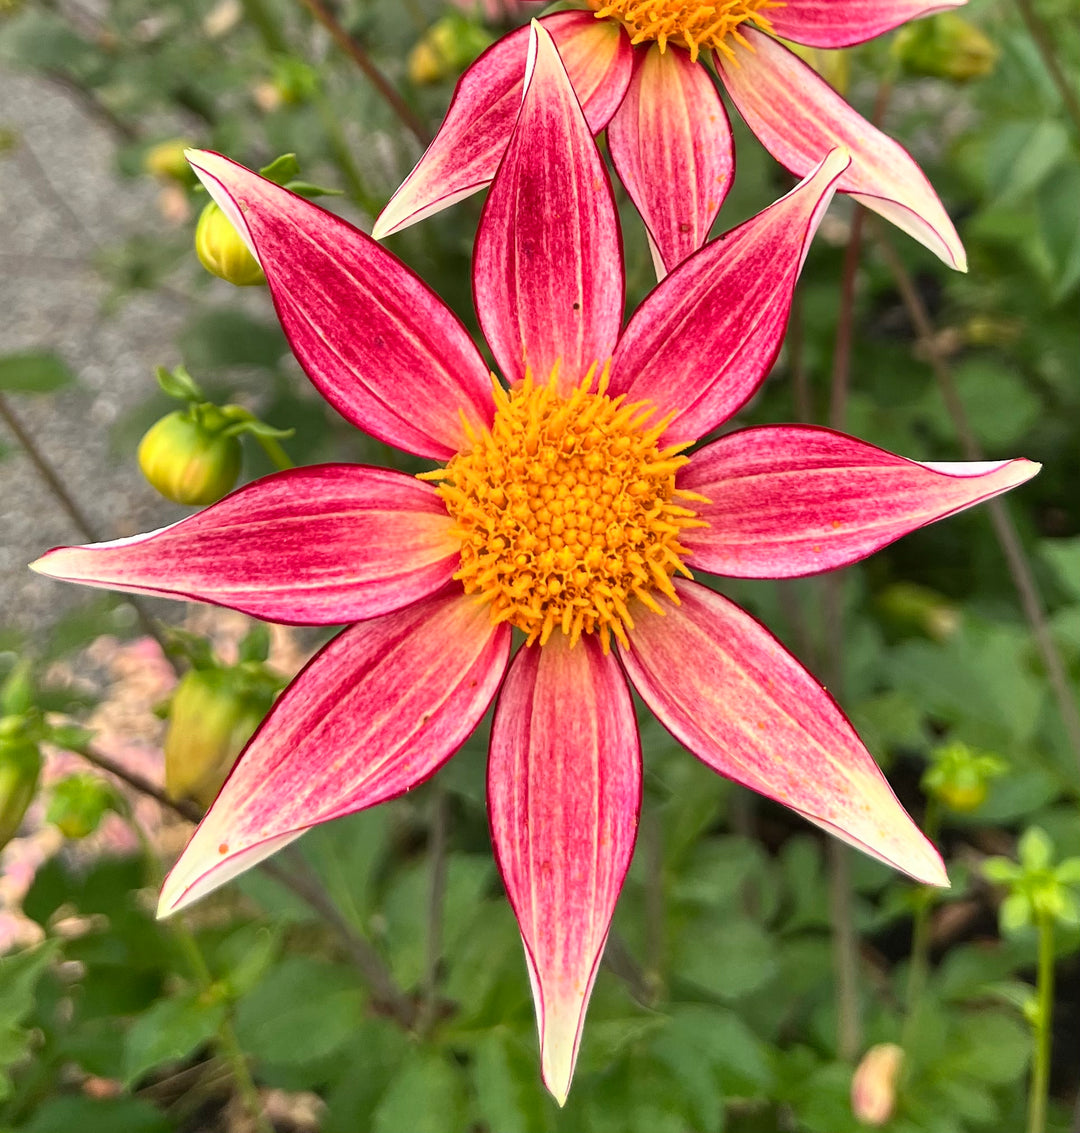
729	958
1064	556
509	1094
34	372
377	1051
426	1096
171	1031
102	1115
989	1046
282	169
19	974
302	1010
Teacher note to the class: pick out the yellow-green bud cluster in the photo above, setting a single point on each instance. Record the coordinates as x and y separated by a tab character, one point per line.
189	457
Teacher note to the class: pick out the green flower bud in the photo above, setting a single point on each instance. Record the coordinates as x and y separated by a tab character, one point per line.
79	803
446	49
945	46
167	162
189	459
213	715
20	768
222	251
959	776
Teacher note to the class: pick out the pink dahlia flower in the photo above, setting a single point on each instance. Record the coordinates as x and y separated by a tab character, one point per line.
638	67
566	508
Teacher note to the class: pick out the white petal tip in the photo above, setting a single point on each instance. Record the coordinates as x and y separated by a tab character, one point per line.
381	229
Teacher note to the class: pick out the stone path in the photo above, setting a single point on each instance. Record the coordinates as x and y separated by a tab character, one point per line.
60	200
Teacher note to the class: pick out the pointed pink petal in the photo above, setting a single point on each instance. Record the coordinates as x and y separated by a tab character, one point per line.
564	792
797	116
315	546
376	712
547	266
671	145
791	500
471	141
841	23
378	343
704	340
730	692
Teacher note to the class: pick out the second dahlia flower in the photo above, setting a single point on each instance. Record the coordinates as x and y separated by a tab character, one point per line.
639	68
566	512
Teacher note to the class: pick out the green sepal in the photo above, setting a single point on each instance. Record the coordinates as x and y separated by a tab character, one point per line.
179	384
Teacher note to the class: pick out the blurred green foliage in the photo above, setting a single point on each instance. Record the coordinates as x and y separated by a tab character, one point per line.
716	1008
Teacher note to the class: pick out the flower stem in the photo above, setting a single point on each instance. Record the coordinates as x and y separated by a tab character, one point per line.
1007	536
278	456
74	512
1044	1008
1044	44
919	964
356	51
385	992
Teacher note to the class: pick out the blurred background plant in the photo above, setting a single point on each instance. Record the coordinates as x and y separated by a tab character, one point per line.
758	978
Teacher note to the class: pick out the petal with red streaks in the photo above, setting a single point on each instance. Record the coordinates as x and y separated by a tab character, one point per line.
671	145
842	23
472	139
322	545
703	341
797	116
376	712
564	793
732	694
547	269
791	500
376	341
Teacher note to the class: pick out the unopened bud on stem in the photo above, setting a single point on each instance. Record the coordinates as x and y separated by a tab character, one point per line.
222	251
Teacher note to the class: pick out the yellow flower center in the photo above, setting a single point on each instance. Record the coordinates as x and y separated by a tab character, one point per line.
567	509
689	23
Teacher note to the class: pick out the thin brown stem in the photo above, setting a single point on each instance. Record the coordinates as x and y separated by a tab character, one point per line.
358	53
88	99
1044	44
75	513
386	996
302	882
1004	528
183	807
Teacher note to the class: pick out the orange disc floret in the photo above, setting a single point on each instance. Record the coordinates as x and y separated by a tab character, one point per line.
689	23
567	509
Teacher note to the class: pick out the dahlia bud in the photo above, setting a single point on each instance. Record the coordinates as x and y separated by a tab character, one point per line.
167	162
20	768
213	715
79	803
959	776
189	457
446	49
222	251
873	1085
945	46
